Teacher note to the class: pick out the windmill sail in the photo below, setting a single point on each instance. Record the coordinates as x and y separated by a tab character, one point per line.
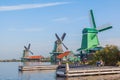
59	43
57	37
31	52
63	36
92	19
29	46
65	46
105	28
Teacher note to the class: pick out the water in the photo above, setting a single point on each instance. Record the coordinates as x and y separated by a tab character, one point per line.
9	71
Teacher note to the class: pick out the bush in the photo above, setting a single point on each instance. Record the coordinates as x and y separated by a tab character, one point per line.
110	55
118	63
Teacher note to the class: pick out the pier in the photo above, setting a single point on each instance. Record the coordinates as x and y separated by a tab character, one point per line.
85	70
38	67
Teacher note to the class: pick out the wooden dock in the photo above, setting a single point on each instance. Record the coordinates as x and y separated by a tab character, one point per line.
86	71
38	67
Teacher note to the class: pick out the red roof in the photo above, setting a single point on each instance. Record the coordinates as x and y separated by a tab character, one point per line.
35	57
63	54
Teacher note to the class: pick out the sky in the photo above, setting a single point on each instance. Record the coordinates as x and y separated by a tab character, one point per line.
36	22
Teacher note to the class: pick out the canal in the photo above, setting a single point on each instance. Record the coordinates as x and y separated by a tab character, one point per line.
9	71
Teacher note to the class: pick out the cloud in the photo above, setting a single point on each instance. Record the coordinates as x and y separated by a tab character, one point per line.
62	19
29	6
69	19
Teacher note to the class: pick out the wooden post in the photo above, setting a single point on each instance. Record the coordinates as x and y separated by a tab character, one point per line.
66	69
59	63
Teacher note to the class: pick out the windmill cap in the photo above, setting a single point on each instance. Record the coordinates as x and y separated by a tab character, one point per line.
89	30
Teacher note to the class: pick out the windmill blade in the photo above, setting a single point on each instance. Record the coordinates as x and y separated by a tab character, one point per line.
95	37
92	19
105	28
29	46
25	48
65	46
31	52
63	36
92	37
57	37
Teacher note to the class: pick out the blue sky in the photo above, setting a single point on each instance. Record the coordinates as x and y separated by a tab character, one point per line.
36	21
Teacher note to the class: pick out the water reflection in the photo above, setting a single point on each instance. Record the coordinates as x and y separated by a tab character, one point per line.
37	74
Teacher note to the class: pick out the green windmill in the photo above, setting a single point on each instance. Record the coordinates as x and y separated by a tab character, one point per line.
89	37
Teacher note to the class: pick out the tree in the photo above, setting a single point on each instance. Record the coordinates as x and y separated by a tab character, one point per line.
110	55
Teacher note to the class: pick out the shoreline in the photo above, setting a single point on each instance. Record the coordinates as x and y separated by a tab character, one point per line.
98	77
13	60
21	61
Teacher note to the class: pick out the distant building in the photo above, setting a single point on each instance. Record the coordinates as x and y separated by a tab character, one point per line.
33	58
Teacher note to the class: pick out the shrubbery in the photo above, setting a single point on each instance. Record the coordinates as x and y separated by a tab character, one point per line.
110	55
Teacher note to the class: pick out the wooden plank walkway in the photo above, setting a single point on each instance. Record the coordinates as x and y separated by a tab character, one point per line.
38	67
86	71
